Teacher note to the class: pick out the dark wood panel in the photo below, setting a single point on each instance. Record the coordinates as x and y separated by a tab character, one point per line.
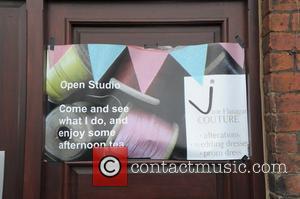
63	18
254	99
12	100
53	178
149	34
75	181
240	186
35	99
146	186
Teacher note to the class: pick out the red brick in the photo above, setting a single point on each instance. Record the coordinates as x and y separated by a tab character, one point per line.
282	41
271	141
282	82
284	103
267	84
279	22
270	104
285	142
278	62
284	5
282	106
292	184
276	22
292	161
287	122
289	102
266	44
266	25
296	21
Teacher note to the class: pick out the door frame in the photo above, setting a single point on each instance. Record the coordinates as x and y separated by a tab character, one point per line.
36	100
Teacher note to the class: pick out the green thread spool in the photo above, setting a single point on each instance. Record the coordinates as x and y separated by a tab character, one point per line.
73	66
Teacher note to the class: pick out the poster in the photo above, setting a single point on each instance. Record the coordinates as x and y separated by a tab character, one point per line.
160	103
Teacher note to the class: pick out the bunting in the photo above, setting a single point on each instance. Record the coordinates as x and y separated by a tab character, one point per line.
57	53
192	59
236	52
102	56
146	63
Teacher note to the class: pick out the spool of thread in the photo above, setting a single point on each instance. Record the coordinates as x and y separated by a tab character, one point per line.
168	86
53	140
135	93
73	66
145	135
99	115
123	73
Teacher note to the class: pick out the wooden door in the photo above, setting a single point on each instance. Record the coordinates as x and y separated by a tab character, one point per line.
13	94
157	23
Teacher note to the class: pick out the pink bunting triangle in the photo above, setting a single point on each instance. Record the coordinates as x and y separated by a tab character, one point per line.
146	63
235	51
57	53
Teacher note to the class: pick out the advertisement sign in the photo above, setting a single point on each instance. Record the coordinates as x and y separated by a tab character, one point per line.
185	103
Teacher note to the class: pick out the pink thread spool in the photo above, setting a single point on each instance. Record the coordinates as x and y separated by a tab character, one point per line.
145	135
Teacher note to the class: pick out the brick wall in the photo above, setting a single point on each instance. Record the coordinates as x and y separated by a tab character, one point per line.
282	93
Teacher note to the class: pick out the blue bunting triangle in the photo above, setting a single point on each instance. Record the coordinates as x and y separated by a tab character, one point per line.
102	56
192	59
